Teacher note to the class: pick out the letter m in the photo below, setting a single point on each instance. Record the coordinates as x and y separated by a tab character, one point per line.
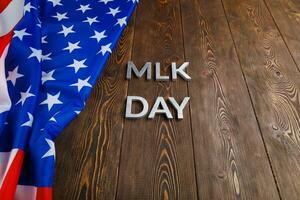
139	73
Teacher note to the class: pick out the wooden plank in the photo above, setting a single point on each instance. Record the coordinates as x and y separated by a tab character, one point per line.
157	155
286	14
274	84
89	149
231	161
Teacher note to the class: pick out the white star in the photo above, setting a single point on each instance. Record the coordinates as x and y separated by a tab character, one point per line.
105	48
20	34
24	96
14	75
39	24
122	21
60	16
55	2
47	76
72	46
105	1
91	20
67	30
82	83
77	111
113	12
51	151
52	119
36	53
51	100
134	1
29	122
28	7
78	64
98	36
46	57
84	8
44	41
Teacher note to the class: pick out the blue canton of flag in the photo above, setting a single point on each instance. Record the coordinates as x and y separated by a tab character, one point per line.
57	52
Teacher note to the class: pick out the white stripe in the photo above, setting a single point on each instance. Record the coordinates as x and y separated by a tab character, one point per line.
25	192
5	102
6	158
11	16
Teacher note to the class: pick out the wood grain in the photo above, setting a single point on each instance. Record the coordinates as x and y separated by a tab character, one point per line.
286	14
89	149
240	136
231	160
157	155
274	84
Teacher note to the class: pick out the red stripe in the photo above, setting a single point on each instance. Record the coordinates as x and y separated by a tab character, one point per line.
4	41
4	4
9	184
44	193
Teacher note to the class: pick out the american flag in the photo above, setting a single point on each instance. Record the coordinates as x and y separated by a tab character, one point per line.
51	54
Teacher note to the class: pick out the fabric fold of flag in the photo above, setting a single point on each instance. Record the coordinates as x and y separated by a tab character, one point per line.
51	54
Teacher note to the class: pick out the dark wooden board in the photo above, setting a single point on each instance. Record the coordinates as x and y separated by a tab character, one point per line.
240	136
157	155
273	80
286	14
89	149
230	157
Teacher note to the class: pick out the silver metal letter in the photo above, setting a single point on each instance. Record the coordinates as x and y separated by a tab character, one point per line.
131	67
128	111
158	77
180	71
165	110
179	108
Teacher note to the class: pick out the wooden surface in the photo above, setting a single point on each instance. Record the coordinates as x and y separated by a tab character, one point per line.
240	136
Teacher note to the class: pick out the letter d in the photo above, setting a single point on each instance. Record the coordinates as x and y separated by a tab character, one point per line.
129	114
